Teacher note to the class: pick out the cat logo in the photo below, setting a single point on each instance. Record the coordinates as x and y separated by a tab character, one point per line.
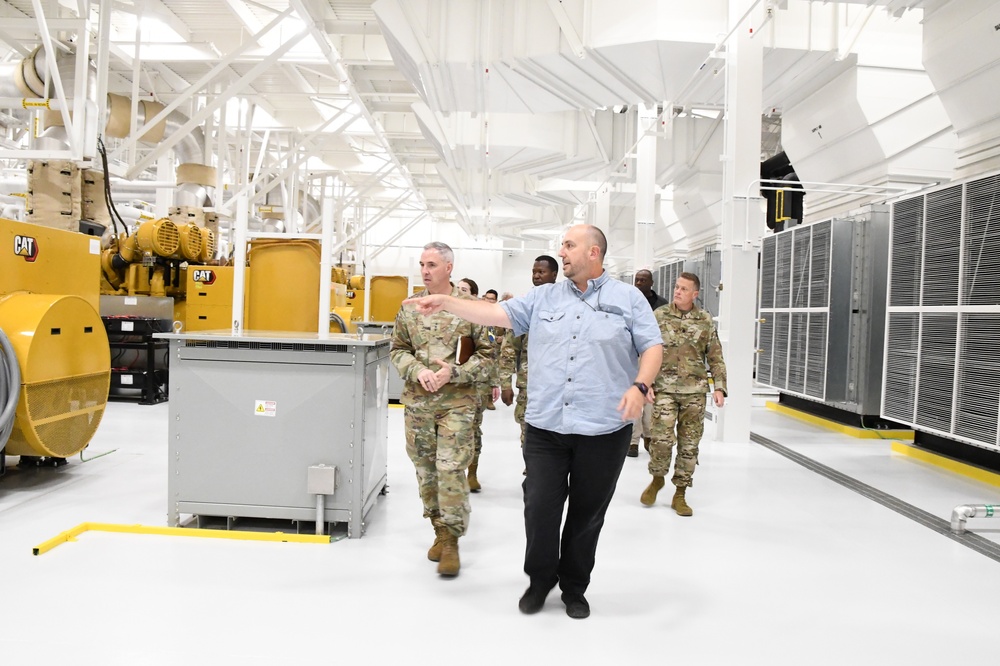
26	246
204	276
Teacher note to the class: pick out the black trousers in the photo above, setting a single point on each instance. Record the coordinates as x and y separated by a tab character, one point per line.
585	469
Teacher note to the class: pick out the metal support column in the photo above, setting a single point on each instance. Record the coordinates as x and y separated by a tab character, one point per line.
326	256
741	166
645	188
601	217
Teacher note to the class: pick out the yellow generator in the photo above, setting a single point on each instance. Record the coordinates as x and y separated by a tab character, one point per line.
387	295
281	294
209	298
282	285
155	259
54	343
356	296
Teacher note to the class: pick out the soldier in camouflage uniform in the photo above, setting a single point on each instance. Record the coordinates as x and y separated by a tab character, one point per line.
469	288
441	399
513	372
643	281
690	341
514	350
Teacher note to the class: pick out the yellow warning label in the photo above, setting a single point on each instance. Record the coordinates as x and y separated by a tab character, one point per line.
265	408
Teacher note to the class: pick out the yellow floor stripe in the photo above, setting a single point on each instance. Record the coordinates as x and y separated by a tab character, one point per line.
944	462
70	535
850	431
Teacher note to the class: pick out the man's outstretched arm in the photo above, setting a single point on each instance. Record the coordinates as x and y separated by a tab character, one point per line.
478	312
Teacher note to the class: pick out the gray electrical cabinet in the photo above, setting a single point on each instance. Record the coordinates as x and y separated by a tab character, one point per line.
252	414
385	328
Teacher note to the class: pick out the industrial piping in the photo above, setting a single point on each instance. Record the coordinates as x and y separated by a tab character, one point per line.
963	512
195	179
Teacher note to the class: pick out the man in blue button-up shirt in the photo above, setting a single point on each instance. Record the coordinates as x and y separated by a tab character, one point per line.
595	349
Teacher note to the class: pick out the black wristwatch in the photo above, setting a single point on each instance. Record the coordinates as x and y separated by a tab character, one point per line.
643	389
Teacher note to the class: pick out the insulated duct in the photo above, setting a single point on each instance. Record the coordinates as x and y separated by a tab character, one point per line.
963	63
195	180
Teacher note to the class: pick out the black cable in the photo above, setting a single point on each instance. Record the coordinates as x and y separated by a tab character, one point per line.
104	162
107	189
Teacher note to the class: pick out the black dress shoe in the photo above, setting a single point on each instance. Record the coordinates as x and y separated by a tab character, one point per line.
532	600
576	605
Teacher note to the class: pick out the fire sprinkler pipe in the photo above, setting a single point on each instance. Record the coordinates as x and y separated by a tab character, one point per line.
963	512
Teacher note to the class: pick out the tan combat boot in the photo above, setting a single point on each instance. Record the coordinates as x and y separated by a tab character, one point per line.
449	563
434	553
649	494
679	504
474	486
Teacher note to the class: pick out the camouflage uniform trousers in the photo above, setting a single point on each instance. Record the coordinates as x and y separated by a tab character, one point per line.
519	407
684	412
440	444
477	425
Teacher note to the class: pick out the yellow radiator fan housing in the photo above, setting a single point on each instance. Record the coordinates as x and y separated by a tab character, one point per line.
207	246
159	237
62	351
191	243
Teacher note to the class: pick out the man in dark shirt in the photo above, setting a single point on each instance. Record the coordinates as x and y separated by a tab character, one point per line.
643	281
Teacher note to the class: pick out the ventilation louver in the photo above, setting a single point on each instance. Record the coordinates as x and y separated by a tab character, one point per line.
794	307
942	359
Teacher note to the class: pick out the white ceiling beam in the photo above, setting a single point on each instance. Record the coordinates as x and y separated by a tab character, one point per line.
13	43
56	80
382	214
232	90
322	40
568	29
396	236
344	27
245	16
364	187
196	120
288	155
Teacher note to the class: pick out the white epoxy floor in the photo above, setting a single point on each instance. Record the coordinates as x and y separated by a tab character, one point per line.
778	566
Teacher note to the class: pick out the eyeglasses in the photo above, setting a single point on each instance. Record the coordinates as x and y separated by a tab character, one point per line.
598	292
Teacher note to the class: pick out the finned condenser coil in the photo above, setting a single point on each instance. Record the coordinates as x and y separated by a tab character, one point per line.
822	310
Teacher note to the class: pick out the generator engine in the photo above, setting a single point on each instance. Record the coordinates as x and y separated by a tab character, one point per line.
149	262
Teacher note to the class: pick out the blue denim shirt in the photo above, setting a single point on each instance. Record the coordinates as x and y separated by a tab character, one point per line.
584	350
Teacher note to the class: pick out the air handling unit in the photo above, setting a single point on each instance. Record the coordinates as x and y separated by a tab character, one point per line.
822	311
941	356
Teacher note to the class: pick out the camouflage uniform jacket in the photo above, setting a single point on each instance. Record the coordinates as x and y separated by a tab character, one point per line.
690	341
514	360
418	339
496	335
